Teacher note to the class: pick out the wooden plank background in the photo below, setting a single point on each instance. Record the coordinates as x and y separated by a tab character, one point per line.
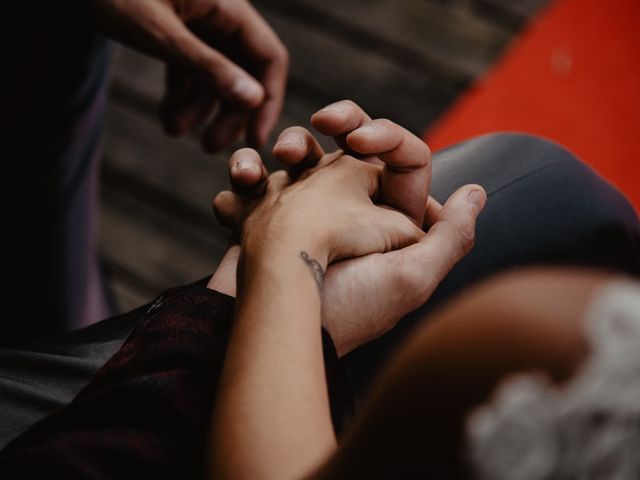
402	59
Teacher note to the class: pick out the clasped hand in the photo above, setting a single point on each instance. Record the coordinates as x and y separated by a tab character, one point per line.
358	216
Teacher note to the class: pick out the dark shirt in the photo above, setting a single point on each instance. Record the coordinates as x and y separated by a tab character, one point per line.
146	414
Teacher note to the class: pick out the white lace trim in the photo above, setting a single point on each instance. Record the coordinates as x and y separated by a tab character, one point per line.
587	430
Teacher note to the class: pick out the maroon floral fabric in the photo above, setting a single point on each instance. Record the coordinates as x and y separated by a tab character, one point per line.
146	414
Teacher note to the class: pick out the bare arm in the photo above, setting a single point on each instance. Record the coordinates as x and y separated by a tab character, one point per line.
274	374
272	418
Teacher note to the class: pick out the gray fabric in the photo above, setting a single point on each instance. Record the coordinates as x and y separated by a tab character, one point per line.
45	375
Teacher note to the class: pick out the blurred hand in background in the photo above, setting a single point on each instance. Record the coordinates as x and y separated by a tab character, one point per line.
226	67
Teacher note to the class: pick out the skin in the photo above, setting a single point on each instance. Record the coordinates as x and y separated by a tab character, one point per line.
291	226
294	225
291	230
414	425
361	298
225	65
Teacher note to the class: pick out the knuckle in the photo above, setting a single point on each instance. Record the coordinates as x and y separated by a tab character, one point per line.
277	180
348	167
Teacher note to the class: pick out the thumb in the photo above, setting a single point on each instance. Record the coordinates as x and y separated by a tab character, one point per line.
412	273
452	235
208	65
419	268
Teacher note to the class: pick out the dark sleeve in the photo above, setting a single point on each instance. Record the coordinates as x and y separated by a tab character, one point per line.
341	398
146	414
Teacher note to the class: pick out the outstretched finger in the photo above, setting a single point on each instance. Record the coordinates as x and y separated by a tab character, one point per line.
406	176
298	149
247	173
338	120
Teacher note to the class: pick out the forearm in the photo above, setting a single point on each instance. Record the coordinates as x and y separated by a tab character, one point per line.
282	427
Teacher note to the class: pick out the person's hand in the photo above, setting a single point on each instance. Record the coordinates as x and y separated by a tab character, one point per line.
327	212
365	297
223	59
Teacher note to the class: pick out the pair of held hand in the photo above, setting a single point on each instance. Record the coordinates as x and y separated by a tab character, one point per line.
360	217
226	67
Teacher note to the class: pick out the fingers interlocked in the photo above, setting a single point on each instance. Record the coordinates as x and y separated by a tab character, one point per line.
406	160
406	175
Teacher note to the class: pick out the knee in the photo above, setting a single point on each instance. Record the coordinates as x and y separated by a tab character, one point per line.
529	152
551	170
527	140
549	194
497	160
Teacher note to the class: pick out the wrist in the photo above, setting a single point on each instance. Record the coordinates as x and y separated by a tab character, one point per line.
268	248
290	264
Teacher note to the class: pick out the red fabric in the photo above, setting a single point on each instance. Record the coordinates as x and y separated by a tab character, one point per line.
573	76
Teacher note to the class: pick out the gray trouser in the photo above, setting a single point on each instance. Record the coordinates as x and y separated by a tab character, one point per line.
544	207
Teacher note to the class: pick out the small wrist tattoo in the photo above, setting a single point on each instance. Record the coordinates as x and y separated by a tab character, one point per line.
316	269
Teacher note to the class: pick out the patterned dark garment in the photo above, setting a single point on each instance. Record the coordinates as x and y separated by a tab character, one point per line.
146	414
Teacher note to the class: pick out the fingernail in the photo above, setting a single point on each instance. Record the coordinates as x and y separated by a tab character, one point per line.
291	139
366	130
476	199
334	107
245	163
247	90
